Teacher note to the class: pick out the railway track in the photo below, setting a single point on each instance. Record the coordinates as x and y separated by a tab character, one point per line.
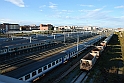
64	72
16	63
80	77
13	64
69	70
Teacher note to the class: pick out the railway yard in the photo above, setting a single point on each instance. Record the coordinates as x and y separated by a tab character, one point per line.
31	57
108	68
68	72
64	62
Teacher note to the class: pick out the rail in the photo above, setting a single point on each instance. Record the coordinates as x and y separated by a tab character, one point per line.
11	65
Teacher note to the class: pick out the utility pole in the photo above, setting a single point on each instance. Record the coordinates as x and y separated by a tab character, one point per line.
54	37
30	39
64	38
77	42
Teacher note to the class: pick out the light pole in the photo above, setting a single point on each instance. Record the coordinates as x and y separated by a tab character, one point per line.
68	34
77	43
12	37
30	39
54	36
64	38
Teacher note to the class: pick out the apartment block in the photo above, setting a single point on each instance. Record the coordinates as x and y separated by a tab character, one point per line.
46	27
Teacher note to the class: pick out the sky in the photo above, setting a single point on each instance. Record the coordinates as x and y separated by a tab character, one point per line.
102	13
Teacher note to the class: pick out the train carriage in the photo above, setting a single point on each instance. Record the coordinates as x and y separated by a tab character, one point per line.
87	62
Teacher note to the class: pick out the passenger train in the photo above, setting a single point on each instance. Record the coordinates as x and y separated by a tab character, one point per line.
34	70
13	48
88	61
22	46
40	42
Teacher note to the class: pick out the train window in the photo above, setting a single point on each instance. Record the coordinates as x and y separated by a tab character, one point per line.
9	50
45	67
53	63
20	78
14	48
40	70
60	60
27	76
49	65
4	50
34	73
18	48
57	61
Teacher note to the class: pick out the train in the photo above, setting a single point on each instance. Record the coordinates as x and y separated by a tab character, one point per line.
22	47
34	70
88	61
39	42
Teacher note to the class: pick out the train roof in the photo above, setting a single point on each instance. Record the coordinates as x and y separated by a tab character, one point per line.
34	66
25	43
6	79
11	42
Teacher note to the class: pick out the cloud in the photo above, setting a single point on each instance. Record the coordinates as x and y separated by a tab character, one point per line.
19	3
92	14
52	5
41	10
42	6
87	5
8	21
95	14
119	6
67	10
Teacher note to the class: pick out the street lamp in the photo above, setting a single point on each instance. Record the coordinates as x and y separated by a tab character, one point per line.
77	42
64	38
30	39
54	36
68	34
